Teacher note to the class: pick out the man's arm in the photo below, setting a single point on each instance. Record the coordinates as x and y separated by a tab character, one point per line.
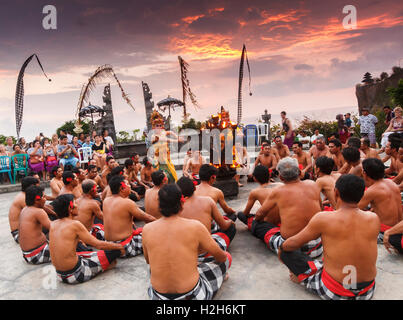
43	219
309	163
267	205
223	204
206	243
273	163
139	214
218	217
55	187
365	200
88	239
250	203
97	210
345	168
287	150
186	169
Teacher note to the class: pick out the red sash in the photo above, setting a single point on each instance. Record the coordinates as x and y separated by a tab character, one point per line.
384	227
338	288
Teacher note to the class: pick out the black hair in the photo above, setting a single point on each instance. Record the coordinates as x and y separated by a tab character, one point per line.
67	175
108	158
187	186
283	112
115	183
336	142
31	193
351	188
374	168
206	172
76	170
169	198
388	107
277	137
119	170
325	164
63	136
91	167
366	141
299	143
145	161
68	167
88	185
335	134
262	174
157	177
351	154
395	140
54	170
61	205
128	162
354	142
26	182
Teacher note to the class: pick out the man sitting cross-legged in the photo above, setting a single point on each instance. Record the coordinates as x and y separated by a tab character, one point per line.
297	201
261	175
119	212
17	205
353	162
70	181
350	249
56	184
151	204
88	209
76	267
326	180
382	194
33	242
171	247
205	210
208	174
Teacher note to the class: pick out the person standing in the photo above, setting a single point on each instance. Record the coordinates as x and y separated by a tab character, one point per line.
367	124
288	130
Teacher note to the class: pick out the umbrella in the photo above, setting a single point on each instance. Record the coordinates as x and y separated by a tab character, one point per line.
169	103
89	110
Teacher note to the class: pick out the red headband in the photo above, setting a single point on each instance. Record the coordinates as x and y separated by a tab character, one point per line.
183	199
195	183
69	179
38	198
123	185
71	204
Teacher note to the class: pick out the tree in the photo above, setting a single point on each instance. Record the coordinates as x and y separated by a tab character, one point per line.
69	126
396	94
367	78
397	70
384	75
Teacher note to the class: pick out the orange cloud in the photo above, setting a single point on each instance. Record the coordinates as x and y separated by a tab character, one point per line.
190	19
290	16
215	10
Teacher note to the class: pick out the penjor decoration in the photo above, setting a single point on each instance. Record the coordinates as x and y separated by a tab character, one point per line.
186	91
243	56
19	93
103	72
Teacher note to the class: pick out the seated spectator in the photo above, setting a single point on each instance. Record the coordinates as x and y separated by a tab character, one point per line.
9	145
37	159
67	154
3	152
99	152
108	142
75	143
87	142
304	139
23	144
315	136
50	154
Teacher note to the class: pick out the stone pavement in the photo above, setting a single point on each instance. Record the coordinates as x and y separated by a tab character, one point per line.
255	274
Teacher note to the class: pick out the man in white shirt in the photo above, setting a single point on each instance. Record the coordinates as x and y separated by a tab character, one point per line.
367	124
315	136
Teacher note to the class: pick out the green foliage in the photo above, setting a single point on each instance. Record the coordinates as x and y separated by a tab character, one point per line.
69	126
380	126
125	136
3	139
396	94
327	128
191	124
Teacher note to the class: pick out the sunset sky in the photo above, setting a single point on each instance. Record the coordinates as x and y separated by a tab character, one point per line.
300	55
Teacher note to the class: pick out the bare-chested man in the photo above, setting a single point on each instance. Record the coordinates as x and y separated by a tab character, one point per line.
352	163
282	149
208	174
56	184
326	180
262	176
399	178
267	158
320	149
70	182
349	238
193	166
110	164
335	147
392	150
151	205
93	175
119	212
205	210
171	247
81	175
33	242
297	201
88	209
146	172
131	171
368	151
382	194
75	267
304	160
17	205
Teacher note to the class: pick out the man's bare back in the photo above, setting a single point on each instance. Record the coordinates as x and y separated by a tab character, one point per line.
88	209
326	185
15	209
205	190
31	222
151	202
56	185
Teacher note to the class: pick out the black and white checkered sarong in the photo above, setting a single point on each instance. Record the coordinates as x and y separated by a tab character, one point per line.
211	278
98	232
16	235
134	244
37	255
89	264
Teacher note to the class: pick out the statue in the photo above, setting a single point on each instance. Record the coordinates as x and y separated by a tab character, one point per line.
149	104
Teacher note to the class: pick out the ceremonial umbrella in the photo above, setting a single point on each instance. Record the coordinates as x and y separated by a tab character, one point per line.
169	103
90	111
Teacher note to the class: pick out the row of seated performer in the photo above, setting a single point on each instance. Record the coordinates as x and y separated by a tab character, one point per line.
191	261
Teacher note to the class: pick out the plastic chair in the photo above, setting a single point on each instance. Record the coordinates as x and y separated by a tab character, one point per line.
85	155
19	165
5	166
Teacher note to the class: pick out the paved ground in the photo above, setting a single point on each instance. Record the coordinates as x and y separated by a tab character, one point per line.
255	274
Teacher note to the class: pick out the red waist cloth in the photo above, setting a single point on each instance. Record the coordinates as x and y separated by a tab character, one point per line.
135	233
338	288
384	227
